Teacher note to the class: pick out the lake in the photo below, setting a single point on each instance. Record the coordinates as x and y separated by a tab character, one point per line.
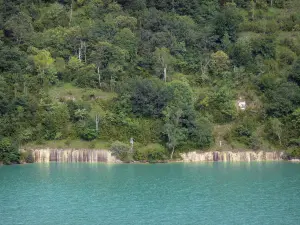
204	193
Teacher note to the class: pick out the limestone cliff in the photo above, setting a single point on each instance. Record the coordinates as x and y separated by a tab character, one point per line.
73	155
231	156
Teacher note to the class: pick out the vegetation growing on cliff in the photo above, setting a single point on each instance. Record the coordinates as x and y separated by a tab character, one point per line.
167	72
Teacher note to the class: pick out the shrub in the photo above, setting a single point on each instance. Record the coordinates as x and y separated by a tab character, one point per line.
151	153
292	153
8	152
88	134
156	154
201	134
285	55
121	151
27	157
283	99
221	105
244	133
140	155
254	142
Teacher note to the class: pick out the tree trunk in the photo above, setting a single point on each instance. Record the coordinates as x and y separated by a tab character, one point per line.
97	120
173	149
165	74
111	83
71	14
99	76
15	90
253	10
79	54
173	6
279	138
84	48
25	89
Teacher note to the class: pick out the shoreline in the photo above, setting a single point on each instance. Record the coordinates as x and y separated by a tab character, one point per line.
47	155
294	161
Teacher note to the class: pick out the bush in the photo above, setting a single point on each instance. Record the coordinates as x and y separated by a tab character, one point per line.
221	105
146	97
292	153
254	142
88	134
283	99
285	55
201	134
155	155
121	127
8	152
244	133
27	157
140	155
151	153
121	151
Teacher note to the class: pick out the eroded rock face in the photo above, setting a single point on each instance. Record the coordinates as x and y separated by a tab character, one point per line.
72	155
229	156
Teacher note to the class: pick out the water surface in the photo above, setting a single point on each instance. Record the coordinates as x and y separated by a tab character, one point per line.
206	193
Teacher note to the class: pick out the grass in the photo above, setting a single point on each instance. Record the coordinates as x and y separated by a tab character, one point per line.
68	91
87	95
73	144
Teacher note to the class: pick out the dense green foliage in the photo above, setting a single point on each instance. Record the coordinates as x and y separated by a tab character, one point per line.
167	72
8	152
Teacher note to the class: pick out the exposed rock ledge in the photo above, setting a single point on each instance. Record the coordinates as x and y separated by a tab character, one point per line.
73	155
232	156
295	160
94	156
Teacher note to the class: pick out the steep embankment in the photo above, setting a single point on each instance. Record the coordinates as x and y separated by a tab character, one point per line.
232	156
94	156
72	155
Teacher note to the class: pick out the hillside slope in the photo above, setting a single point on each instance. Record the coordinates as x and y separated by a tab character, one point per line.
167	73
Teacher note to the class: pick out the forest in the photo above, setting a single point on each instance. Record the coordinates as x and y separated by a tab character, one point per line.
167	73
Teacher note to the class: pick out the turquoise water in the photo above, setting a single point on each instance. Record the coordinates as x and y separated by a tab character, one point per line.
207	193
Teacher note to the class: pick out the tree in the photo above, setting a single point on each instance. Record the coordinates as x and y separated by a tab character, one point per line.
176	134
55	122
295	72
148	98
283	99
164	59
221	105
52	16
227	21
126	39
100	56
276	127
178	114
8	152
97	120
121	151
19	27
110	60
44	64
43	60
201	133
12	59
219	62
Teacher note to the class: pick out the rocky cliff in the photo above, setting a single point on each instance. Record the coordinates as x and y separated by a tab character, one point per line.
231	156
93	156
72	155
